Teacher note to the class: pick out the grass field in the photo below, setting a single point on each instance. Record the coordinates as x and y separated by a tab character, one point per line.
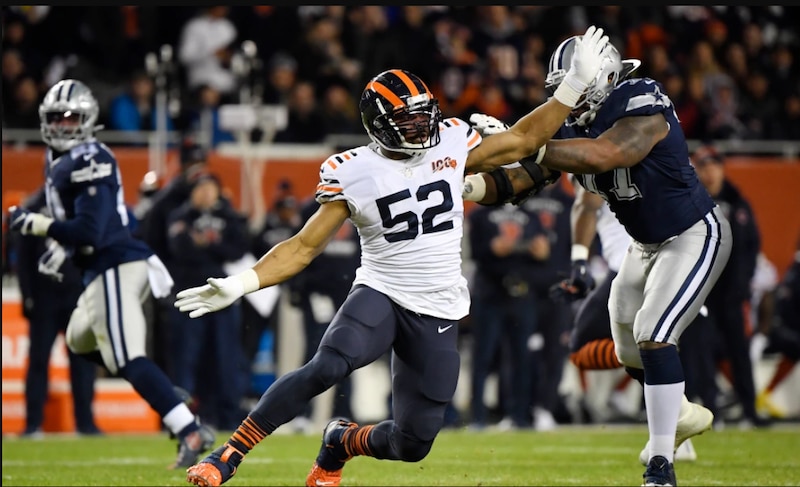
589	455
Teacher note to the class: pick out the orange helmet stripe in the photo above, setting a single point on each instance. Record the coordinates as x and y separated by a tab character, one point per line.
412	88
386	93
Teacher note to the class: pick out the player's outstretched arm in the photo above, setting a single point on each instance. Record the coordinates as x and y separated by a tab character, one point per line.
625	144
527	136
283	261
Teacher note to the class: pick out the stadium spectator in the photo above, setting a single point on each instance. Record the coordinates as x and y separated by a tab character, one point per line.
306	120
204	234
281	78
205	49
23	112
551	347
727	299
135	110
504	244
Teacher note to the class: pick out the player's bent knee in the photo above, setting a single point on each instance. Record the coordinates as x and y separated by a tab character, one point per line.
412	449
329	366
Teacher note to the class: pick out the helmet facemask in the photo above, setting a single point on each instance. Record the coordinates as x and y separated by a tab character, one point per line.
410	124
68	115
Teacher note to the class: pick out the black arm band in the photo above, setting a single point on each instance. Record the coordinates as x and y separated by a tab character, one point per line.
534	170
505	191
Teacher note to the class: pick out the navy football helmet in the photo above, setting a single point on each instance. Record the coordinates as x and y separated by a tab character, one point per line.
399	113
613	70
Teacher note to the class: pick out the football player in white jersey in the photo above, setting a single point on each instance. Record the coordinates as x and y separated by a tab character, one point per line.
403	192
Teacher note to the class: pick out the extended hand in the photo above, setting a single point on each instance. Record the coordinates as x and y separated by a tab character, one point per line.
587	58
487	124
51	261
578	285
217	294
27	222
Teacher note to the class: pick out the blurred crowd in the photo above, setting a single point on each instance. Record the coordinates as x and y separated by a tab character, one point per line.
732	72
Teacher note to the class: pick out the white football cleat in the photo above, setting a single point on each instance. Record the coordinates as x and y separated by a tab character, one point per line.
694	419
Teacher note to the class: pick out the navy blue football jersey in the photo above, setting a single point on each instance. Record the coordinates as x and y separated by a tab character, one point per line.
661	196
85	196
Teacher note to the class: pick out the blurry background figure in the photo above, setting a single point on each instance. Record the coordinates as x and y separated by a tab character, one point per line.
727	334
192	159
48	301
306	120
134	109
282	76
778	331
202	117
205	50
281	221
204	233
23	111
505	242
550	345
319	290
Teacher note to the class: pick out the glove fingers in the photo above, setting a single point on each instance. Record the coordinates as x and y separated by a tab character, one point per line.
192	291
198	312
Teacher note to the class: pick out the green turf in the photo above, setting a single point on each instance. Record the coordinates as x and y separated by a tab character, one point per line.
569	456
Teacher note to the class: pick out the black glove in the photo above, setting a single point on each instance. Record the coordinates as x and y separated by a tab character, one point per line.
578	285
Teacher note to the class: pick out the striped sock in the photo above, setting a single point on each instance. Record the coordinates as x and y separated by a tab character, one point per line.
247	436
356	441
596	355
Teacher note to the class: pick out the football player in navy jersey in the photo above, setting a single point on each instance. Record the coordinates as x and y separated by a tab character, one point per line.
90	220
626	144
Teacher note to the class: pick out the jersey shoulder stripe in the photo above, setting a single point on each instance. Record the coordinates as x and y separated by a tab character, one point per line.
473	137
330	187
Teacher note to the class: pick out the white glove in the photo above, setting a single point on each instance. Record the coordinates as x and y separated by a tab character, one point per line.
27	222
758	343
487	124
587	59
217	294
52	259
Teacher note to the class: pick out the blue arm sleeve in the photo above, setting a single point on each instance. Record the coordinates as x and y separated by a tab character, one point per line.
94	208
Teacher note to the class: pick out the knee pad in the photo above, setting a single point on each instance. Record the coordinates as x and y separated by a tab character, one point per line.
625	345
79	336
410	448
329	366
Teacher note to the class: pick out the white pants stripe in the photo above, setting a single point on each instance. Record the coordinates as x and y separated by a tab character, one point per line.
660	288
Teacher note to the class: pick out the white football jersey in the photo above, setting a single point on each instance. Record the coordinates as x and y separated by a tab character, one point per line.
409	215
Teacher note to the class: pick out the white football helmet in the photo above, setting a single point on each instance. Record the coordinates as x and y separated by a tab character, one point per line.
68	115
613	70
